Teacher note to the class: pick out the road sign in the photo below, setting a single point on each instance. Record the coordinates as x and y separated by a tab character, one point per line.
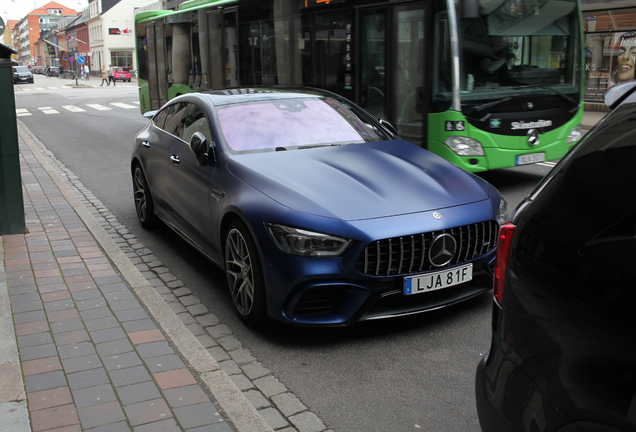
81	60
71	59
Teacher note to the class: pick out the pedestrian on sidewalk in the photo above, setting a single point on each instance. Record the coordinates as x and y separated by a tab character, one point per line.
111	72
87	72
104	76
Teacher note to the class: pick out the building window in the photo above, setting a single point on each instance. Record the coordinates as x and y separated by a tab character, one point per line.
609	37
121	58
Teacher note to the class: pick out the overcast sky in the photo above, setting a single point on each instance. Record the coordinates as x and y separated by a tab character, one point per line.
18	9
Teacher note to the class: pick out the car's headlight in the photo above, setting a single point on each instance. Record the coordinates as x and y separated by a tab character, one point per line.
464	146
502	215
301	242
575	135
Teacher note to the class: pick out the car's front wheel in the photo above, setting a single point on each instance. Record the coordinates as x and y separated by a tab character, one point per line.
244	274
144	204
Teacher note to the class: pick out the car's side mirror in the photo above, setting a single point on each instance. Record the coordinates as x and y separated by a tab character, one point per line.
201	148
149	114
618	93
388	126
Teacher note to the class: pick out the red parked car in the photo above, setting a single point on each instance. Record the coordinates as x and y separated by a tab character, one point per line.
121	74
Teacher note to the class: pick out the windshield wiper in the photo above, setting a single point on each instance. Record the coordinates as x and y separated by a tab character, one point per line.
541	86
490	104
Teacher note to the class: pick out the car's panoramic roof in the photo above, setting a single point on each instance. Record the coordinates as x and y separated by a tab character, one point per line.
233	96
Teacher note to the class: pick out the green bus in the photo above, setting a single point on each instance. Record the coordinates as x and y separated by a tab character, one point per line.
486	84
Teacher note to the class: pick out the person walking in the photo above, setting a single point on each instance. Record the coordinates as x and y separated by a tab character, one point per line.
87	72
104	76
111	71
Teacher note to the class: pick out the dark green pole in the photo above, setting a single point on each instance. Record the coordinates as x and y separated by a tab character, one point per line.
11	199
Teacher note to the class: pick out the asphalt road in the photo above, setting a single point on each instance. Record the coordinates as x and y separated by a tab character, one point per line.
414	373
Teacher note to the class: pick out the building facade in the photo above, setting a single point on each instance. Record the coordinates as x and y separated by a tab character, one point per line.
27	31
111	35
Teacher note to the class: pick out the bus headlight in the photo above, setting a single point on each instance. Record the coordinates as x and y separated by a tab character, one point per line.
575	135
464	146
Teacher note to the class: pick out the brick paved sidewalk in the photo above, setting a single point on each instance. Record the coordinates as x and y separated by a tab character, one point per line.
91	335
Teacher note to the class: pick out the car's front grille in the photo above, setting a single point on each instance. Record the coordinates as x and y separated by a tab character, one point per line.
409	254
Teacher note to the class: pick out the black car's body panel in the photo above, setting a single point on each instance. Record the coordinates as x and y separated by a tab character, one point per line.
563	354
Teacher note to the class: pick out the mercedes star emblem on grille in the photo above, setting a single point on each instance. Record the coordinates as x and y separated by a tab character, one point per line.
533	137
442	250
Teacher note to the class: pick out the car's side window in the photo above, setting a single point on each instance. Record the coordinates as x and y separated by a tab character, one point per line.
173	124
160	118
195	121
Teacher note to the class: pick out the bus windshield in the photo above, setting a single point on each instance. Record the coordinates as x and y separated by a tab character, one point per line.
511	48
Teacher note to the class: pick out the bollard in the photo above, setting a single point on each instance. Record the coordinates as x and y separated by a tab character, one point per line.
11	200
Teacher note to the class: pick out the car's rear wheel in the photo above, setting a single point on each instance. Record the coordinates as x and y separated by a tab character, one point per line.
144	204
244	274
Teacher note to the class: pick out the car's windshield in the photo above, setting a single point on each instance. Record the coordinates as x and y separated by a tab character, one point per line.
21	69
287	124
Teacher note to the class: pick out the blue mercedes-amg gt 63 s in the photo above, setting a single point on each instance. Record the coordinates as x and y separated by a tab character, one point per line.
318	213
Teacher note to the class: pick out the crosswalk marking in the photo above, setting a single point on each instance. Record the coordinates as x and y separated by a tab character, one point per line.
48	110
79	109
123	105
73	108
99	107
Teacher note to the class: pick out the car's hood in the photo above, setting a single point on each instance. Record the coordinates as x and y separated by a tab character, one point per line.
359	181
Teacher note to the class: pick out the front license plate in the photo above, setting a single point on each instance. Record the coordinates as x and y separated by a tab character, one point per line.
438	280
530	158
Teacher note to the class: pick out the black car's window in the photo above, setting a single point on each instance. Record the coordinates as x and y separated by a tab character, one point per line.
195	121
294	123
174	115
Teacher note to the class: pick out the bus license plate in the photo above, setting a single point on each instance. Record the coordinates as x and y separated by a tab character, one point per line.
530	158
438	280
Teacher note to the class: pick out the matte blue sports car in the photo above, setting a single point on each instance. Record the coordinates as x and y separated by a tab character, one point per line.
316	211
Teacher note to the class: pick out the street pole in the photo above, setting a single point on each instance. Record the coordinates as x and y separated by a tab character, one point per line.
11	200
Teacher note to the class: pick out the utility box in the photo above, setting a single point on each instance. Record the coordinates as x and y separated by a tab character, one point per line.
11	199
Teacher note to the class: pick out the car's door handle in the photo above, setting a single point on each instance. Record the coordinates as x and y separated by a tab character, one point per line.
175	159
145	144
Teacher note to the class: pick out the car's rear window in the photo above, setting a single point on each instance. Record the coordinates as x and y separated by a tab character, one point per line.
293	123
122	69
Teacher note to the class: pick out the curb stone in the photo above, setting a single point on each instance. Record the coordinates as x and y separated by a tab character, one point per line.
221	364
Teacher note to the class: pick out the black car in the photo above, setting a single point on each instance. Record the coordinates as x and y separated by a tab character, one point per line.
563	352
53	71
22	74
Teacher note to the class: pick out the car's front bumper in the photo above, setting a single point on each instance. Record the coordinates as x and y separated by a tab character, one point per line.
335	291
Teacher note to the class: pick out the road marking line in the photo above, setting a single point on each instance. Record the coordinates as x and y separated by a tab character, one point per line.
98	107
48	110
73	108
123	105
22	112
54	88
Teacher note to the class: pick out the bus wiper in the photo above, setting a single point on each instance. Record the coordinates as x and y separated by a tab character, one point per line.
541	86
490	104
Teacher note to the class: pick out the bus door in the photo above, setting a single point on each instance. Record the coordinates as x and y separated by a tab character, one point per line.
223	46
157	64
392	74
